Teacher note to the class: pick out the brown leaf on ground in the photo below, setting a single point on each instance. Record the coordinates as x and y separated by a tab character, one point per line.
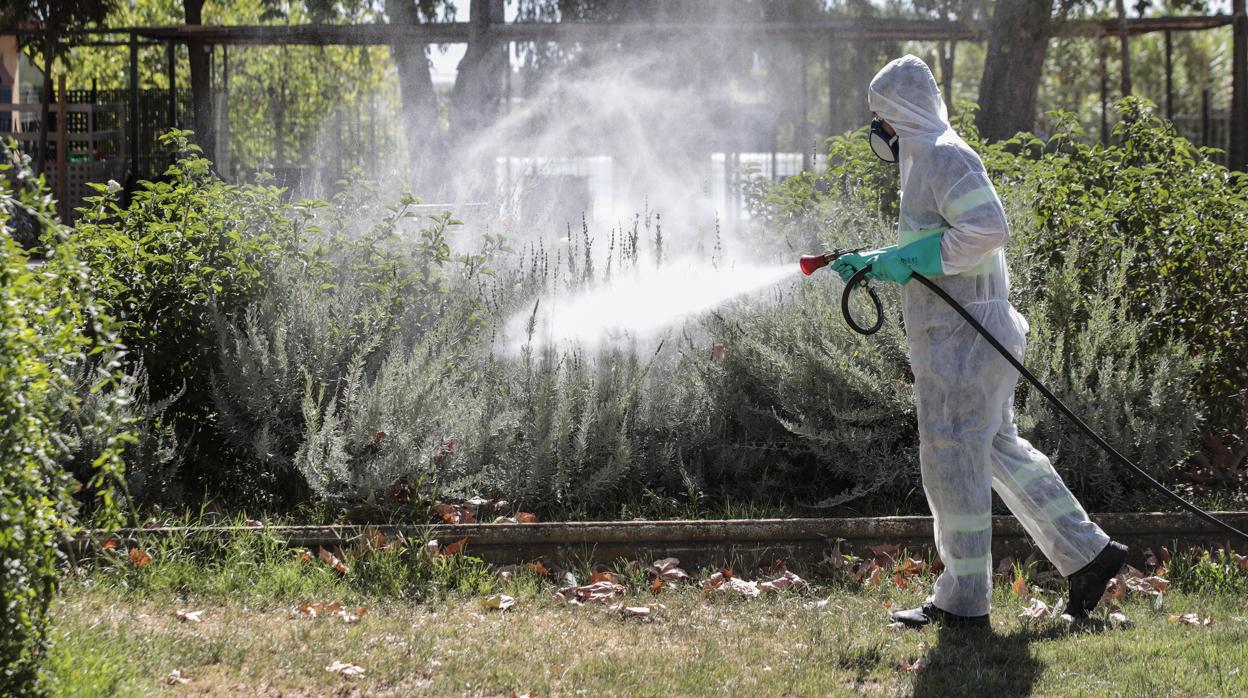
303	556
139	558
873	579
348	670
453	548
669	571
539	569
1115	589
1242	562
727	572
1163	554
712	582
910	567
188	616
865	570
332	560
938	565
916	665
900	581
525	517
177	678
740	586
788	580
109	543
1020	587
1190	619
453	513
600	573
657	585
600	592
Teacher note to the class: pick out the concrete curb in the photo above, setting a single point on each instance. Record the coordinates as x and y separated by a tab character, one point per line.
712	543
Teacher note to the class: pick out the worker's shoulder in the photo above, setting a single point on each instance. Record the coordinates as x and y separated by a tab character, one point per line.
950	150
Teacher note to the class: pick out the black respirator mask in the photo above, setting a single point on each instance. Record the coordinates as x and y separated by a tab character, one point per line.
885	147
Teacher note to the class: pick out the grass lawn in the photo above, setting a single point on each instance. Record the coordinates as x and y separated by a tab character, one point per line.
118	634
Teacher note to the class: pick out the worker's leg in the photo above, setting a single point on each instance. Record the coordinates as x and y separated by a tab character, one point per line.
1026	481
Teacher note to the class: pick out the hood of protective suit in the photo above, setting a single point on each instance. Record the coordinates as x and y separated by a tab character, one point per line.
904	93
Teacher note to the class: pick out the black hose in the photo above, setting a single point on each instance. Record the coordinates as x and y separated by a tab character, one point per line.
859	277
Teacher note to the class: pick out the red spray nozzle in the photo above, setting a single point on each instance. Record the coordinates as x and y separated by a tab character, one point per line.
811	262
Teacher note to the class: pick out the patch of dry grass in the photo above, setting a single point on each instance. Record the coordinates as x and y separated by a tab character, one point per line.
112	643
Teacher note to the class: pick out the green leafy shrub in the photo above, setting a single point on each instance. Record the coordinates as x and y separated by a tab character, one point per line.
1186	220
185	247
51	330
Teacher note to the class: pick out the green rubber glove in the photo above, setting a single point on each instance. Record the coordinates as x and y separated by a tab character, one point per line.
848	264
897	264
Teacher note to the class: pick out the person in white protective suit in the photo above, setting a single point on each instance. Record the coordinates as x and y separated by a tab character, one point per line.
952	229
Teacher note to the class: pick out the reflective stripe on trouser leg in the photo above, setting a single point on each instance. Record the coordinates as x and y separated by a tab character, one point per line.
1026	481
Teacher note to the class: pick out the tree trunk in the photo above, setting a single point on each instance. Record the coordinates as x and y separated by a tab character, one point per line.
1018	37
419	104
478	92
201	81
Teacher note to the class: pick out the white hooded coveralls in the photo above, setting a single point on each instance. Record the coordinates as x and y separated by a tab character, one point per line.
968	442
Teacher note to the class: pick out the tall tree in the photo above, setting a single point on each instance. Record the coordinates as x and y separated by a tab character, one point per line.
1018	36
420	108
201	80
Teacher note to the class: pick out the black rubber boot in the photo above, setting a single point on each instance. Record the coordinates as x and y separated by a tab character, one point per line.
1088	584
928	613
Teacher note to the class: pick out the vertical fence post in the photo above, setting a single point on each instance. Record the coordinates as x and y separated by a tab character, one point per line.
134	104
62	150
804	131
1169	76
1204	117
1237	154
1104	91
171	57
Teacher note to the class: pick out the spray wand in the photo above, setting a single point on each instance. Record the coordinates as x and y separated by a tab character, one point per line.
810	263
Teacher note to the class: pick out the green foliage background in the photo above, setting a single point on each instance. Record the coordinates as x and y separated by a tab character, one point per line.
57	350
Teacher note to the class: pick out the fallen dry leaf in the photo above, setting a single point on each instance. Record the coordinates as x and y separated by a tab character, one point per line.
1036	609
525	517
916	666
453	548
109	543
332	560
1190	619
345	669
601	592
454	513
501	602
188	616
637	611
786	581
896	625
657	585
600	573
139	558
176	678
